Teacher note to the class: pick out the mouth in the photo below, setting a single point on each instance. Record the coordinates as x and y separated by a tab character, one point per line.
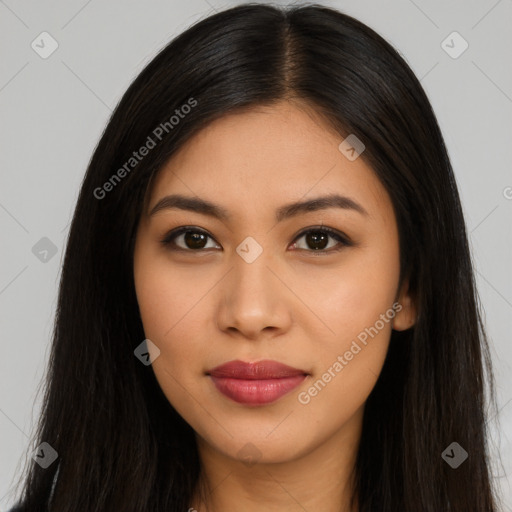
257	383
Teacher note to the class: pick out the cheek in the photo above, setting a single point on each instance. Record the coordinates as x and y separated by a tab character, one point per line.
164	318
354	302
174	318
352	297
170	313
167	294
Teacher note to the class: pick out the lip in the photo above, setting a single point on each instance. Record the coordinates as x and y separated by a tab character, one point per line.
256	383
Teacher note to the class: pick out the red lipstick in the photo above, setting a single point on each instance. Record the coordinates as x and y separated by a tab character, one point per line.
256	383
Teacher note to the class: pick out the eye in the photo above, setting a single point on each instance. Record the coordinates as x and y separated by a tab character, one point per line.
193	238
318	239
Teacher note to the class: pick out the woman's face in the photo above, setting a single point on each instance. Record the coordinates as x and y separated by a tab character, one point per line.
251	286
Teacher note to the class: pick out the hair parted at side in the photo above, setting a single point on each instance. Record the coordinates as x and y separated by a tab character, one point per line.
121	445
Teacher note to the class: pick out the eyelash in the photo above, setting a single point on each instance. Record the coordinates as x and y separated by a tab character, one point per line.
168	240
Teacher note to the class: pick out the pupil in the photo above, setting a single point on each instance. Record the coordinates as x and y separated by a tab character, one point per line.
195	240
313	239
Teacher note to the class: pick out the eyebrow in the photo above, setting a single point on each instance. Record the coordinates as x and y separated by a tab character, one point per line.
197	205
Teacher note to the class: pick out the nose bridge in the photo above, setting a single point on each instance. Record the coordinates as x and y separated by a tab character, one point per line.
251	274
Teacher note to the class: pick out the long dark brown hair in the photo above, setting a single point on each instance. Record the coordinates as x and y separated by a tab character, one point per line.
121	446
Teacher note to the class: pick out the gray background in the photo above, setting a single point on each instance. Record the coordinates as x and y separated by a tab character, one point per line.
53	111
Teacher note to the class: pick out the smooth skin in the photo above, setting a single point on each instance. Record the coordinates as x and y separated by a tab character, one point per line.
205	305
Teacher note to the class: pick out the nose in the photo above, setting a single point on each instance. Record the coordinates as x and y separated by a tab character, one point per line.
254	300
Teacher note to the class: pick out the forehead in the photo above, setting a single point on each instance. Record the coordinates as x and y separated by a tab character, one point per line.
268	156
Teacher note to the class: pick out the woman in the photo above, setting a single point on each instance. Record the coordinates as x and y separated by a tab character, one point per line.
267	298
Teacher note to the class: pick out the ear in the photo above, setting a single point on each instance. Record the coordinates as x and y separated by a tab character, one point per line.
405	316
